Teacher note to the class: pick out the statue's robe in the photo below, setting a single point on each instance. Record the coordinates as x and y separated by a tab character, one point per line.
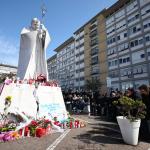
32	55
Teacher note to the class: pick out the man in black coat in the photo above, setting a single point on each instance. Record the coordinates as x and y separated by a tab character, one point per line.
145	94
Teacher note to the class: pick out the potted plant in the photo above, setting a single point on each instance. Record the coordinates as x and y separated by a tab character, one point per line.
132	112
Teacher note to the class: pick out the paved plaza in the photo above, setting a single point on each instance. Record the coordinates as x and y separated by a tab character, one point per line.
97	135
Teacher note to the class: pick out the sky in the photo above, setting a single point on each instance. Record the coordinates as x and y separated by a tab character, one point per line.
62	19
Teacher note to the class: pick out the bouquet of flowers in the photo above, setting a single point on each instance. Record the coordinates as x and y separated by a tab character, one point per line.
32	127
9	136
8	127
39	127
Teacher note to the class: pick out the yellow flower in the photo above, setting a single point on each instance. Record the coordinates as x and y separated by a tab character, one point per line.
15	135
8	98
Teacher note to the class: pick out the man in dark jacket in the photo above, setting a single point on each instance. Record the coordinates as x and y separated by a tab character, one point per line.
145	93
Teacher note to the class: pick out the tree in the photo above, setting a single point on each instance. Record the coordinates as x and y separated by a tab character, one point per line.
93	85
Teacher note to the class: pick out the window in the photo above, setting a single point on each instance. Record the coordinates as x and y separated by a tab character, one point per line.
119	14
79	54
118	37
80	38
94	26
114	40
122	36
147	38
142	55
139	69
113	63
77	79
80	70
94	42
111	51
79	46
79	62
136	42
114	74
146	24
137	16
116	62
126	46
94	22
148	11
140	41
81	78
110	30
145	10
110	20
131	6
93	33
138	57
94	51
120	25
95	70
111	40
135	29
133	17
131	44
124	60
126	72
120	61
128	59
94	60
125	34
143	2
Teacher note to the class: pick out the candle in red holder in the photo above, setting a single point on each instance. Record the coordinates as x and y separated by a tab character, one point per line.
71	124
20	132
76	124
48	129
20	82
82	124
26	132
40	132
30	81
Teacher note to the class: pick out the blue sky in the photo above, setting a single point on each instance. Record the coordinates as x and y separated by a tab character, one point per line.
63	17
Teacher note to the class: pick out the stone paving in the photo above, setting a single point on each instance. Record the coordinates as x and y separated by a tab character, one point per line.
97	135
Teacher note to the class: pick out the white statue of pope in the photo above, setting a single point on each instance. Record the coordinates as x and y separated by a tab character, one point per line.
32	56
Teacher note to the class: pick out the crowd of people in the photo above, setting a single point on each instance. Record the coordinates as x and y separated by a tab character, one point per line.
77	101
102	104
94	103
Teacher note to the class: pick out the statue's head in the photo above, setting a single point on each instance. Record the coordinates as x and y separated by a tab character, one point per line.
35	24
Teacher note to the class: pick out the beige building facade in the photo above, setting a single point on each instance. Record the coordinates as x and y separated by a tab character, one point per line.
92	39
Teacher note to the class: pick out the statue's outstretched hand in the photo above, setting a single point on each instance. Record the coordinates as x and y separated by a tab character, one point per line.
43	27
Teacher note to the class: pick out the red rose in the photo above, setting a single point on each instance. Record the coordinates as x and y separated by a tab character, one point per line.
34	123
